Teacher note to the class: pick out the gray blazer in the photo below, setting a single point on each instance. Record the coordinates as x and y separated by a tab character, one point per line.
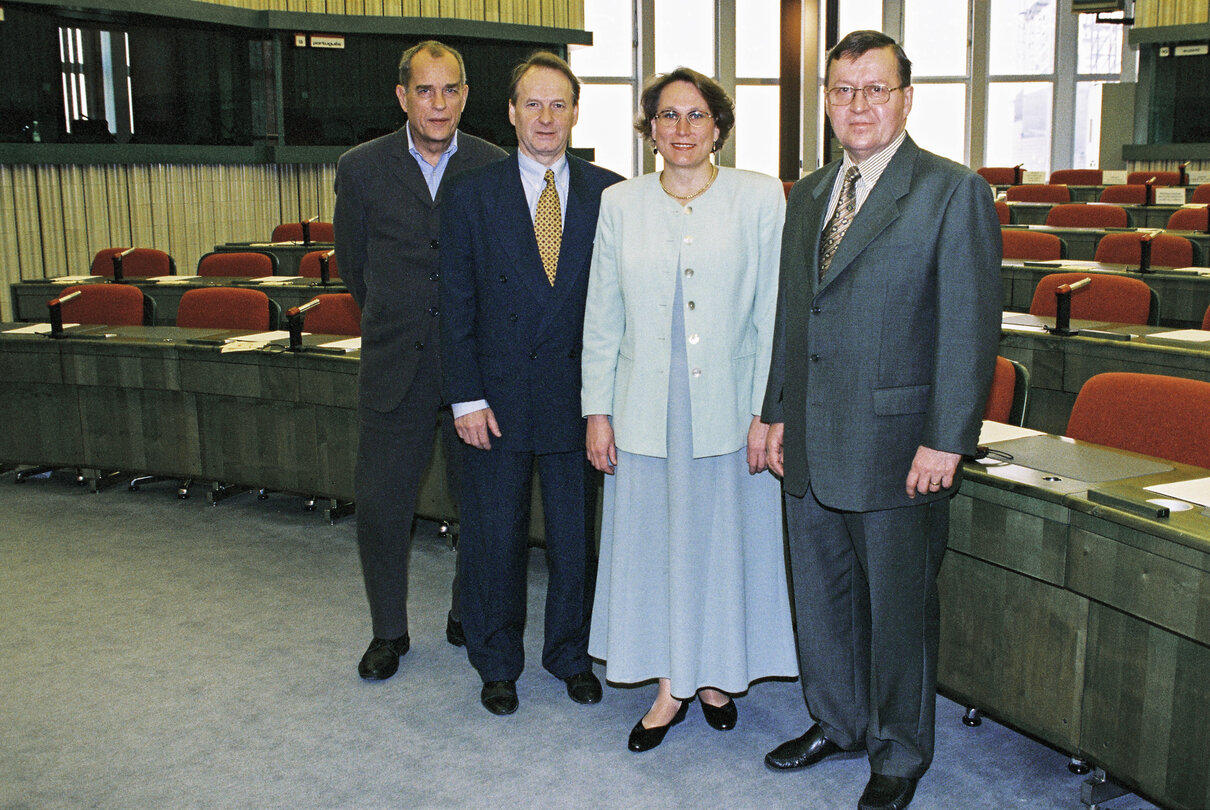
895	347
387	237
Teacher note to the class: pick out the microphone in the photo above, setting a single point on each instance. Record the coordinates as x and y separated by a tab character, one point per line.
117	264
294	322
1018	171
55	308
1063	295
1183	179
325	277
1145	238
1147	185
306	229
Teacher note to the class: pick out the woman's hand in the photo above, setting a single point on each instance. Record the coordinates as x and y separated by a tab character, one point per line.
602	452
758	460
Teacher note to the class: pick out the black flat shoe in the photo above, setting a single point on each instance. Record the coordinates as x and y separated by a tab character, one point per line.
722	717
804	751
644	739
381	659
584	687
453	631
887	793
499	697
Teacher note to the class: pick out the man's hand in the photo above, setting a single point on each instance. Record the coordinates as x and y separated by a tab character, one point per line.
932	471
757	455
477	427
774	439
602	452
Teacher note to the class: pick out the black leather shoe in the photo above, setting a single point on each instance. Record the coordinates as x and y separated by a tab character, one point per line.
722	717
499	697
806	750
583	687
887	793
381	660
453	631
644	739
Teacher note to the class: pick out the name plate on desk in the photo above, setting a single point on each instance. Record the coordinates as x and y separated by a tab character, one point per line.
1033	177
1065	458
1114	177
1169	195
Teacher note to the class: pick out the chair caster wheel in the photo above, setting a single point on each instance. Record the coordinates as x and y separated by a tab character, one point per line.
972	718
1078	766
262	494
134	487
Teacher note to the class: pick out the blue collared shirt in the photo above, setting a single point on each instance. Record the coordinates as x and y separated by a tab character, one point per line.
533	180
432	174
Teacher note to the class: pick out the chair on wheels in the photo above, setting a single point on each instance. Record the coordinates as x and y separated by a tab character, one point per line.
1077	177
108	304
1189	219
1116	299
1087	215
1160	178
1124	195
237	265
1041	192
337	314
1009	395
293	232
1031	245
141	262
228	308
1161	416
1167	250
309	264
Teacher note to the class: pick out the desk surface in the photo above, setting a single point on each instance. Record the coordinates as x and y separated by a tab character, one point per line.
1138	216
1082	242
288	254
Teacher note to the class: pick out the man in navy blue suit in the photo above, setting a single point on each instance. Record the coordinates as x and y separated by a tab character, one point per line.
514	274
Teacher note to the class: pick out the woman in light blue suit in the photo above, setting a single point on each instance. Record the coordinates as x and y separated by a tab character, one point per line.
678	331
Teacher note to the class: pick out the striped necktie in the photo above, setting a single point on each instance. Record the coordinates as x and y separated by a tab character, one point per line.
548	227
842	217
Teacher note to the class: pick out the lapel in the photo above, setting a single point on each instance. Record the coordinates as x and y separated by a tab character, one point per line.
516	230
880	209
813	222
407	173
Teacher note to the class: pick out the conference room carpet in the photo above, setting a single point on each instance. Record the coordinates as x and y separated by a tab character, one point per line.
157	653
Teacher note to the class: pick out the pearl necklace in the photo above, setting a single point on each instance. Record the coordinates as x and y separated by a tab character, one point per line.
694	195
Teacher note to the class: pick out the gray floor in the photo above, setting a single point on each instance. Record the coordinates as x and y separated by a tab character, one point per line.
163	653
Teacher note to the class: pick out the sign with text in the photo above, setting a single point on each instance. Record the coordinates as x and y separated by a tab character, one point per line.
327	41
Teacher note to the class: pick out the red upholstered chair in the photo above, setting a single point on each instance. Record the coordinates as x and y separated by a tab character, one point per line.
1166	417
308	265
1033	245
1161	178
141	262
1087	215
786	185
1167	250
1041	192
1201	194
227	308
1077	177
1004	212
1206	319
237	265
1000	175
1117	299
337	314
1124	195
107	304
293	232
1188	219
1008	396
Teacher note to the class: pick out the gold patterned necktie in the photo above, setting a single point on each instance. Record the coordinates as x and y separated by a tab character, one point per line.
842	217
548	227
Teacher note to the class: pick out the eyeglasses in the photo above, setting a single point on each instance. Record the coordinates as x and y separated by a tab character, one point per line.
670	118
874	94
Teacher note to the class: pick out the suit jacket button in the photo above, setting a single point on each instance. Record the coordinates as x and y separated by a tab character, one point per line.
693	339
571	355
433	311
692	305
697	372
815	358
419	345
816	310
533	355
512	316
435	243
503	279
433	276
688	272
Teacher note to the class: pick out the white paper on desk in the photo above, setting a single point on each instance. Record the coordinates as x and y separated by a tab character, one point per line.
1200	336
1000	432
33	329
1074	264
1196	490
240	346
350	344
260	337
75	279
173	279
269	281
1196	271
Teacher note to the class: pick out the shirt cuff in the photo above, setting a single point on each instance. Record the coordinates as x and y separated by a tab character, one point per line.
461	409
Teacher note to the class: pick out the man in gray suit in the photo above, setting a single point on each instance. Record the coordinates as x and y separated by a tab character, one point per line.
887	327
388	203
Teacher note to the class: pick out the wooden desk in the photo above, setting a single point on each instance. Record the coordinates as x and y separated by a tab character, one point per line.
1184	296
30	297
1059	366
288	254
1084	625
1082	242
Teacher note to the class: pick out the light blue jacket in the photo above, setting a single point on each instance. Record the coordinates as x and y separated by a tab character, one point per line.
726	246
